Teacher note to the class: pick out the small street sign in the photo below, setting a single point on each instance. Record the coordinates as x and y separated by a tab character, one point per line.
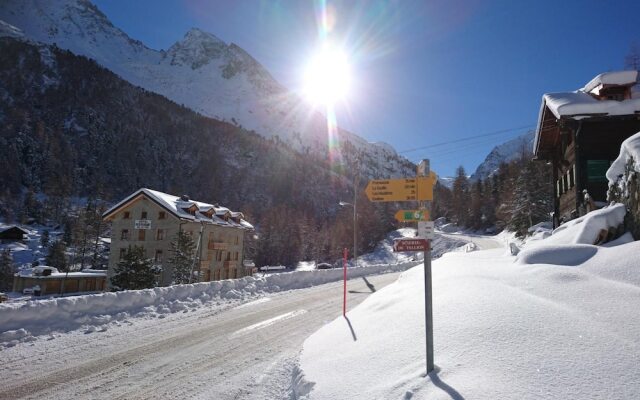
425	229
404	189
419	244
412	215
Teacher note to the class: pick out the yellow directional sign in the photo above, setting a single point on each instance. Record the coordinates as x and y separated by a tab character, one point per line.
404	189
412	215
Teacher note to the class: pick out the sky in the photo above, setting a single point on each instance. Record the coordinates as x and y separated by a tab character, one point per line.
424	73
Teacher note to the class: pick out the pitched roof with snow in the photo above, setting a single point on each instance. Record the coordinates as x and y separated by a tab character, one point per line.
178	206
586	102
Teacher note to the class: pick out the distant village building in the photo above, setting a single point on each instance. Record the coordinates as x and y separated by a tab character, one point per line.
580	134
12	233
44	280
152	220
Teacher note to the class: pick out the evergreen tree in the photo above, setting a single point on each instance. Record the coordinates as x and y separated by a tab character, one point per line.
134	271
57	257
183	250
45	238
531	202
460	197
6	270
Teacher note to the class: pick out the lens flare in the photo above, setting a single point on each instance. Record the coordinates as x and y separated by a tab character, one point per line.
327	77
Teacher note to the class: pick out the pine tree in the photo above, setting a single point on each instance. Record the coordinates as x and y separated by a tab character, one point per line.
460	197
45	238
57	257
134	271
183	250
531	203
6	270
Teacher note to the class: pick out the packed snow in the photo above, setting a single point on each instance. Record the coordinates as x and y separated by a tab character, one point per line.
557	321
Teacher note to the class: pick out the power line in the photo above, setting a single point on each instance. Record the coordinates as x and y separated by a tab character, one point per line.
467	138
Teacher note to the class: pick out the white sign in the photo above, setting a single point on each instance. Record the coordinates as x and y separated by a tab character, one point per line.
143	224
425	229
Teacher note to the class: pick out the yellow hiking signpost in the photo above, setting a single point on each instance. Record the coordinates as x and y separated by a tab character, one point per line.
419	188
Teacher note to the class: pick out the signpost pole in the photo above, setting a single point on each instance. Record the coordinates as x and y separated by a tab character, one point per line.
344	296
424	170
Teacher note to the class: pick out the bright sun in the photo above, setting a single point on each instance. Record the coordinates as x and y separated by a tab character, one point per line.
327	77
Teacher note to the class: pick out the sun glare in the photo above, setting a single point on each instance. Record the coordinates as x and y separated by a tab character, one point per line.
327	77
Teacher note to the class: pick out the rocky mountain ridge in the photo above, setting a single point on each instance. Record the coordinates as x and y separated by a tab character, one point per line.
201	72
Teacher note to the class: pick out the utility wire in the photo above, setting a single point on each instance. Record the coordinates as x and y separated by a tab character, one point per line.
467	138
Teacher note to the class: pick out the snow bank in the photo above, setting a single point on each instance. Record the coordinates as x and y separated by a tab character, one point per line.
630	148
501	331
22	321
588	228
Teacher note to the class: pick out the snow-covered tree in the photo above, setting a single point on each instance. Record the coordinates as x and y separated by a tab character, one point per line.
134	271
182	258
6	270
531	202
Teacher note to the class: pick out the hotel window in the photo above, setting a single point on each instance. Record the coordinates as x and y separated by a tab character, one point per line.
124	235
235	256
162	215
141	234
143	215
160	234
123	252
158	255
237	239
126	215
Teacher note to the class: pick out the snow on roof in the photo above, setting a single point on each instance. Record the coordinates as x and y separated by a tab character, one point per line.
621	78
176	205
582	104
579	105
12	227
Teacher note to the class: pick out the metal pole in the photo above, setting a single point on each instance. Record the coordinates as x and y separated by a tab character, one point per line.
344	295
355	214
424	170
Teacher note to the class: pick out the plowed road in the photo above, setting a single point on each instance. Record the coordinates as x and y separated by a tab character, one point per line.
246	352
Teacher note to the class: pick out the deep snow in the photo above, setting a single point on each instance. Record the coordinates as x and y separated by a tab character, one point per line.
560	322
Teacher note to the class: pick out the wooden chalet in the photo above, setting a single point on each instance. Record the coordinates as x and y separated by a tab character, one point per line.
580	134
12	233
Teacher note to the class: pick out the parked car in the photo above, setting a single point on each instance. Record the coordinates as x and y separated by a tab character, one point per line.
323	265
3	297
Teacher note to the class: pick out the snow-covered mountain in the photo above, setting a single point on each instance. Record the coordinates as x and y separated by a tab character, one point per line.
200	71
505	152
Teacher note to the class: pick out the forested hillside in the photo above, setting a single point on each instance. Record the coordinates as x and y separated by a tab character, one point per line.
71	129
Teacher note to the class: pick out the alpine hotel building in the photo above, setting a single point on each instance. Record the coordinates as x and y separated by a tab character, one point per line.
152	220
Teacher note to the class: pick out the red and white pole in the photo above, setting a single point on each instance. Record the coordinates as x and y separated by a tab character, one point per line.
344	297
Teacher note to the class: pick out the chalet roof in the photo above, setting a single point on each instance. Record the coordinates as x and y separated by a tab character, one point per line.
177	206
13	228
616	78
583	103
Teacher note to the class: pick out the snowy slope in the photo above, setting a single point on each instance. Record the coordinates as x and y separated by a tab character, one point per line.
200	71
563	328
505	152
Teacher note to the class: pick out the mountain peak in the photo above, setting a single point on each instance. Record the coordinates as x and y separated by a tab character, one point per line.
196	49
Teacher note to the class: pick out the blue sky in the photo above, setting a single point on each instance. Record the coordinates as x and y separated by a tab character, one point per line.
425	72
